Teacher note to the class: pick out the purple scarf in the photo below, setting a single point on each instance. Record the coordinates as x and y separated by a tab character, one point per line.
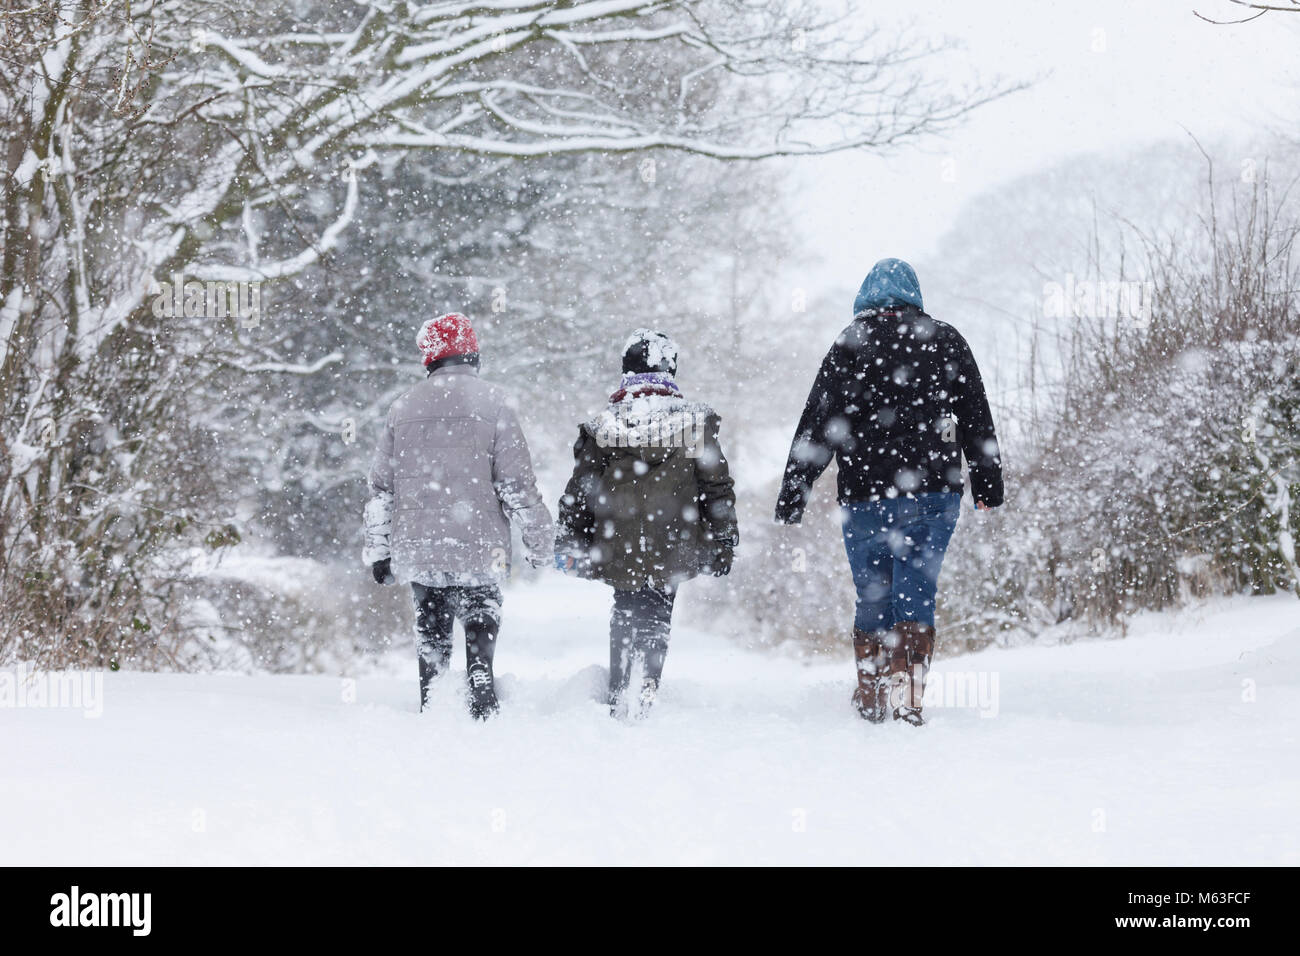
645	383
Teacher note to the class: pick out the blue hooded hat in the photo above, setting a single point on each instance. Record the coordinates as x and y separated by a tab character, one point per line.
891	284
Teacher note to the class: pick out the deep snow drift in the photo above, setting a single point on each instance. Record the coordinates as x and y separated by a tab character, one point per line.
1176	745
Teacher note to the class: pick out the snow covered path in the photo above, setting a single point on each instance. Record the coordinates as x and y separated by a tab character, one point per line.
1136	751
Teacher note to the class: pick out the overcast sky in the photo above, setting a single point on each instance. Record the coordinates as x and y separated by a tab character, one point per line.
1160	69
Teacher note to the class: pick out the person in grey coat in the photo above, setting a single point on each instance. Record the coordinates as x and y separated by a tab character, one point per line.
451	472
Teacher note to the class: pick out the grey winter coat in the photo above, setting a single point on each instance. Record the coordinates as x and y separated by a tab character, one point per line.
450	473
651	499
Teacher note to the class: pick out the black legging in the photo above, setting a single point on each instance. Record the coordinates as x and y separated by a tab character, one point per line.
639	627
436	610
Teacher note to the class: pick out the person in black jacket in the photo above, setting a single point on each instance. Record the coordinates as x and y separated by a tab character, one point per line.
897	402
651	504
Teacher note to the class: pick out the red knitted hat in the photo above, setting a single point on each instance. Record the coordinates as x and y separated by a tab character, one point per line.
446	336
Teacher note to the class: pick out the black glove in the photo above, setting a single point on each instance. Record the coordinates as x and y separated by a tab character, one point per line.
720	564
383	571
788	511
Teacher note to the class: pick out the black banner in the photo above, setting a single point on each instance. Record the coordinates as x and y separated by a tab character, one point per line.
330	905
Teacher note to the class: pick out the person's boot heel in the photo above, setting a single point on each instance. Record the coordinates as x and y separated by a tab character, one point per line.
870	653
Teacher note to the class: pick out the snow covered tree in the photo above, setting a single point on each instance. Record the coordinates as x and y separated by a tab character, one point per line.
1166	467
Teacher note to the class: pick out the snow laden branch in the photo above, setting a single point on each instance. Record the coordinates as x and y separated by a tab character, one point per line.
281	368
329	240
448	60
1258	10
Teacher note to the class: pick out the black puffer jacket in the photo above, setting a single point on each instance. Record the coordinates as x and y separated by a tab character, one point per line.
897	402
651	500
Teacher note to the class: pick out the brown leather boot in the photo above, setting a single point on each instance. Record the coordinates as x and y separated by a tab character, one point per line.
872	654
908	666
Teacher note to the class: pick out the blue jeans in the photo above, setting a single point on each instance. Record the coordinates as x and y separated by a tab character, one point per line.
895	549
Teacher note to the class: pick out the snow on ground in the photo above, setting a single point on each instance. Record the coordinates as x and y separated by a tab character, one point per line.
1176	745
